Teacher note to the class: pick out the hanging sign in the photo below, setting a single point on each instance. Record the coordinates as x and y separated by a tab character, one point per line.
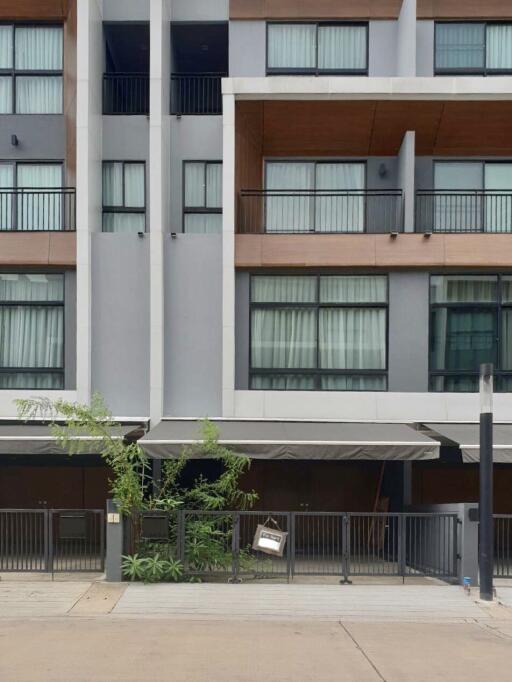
269	540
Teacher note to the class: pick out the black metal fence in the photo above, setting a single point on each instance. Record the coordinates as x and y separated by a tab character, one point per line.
38	209
196	94
52	540
220	544
463	211
125	94
320	211
503	546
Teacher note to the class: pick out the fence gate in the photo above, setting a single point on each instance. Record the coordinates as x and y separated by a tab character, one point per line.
52	540
503	546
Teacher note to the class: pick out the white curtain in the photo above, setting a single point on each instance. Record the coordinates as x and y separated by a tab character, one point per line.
342	382
284	338
6	184
279	289
194	185
6	47
214	185
38	48
353	289
39	95
498	199
112	184
5	95
134	185
342	47
31	335
343	213
291	46
460	46
499	46
39	209
203	223
128	223
458	204
294	212
283	382
353	338
463	289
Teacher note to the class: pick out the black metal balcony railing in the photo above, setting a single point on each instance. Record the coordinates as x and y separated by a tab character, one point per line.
125	94
196	93
463	211
37	210
320	211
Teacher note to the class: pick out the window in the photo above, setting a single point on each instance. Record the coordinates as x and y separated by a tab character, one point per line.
124	197
31	197
314	48
202	197
473	47
319	333
470	324
475	196
31	331
315	196
31	64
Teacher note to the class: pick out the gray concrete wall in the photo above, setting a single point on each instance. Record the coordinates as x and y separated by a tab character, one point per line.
406	166
406	40
383	40
199	10
192	138
40	137
424	172
242	325
126	138
388	181
70	330
424	48
193	326
408	331
125	10
120	322
247	48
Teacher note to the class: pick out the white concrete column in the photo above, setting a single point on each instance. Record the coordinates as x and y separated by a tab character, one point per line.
406	47
228	258
159	189
88	174
406	169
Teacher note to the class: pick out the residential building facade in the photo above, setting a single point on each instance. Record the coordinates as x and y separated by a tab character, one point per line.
280	215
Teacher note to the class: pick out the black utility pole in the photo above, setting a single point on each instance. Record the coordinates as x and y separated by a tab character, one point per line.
486	551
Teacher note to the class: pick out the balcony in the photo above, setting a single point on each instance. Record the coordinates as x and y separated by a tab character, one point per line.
125	94
463	211
196	94
320	212
38	210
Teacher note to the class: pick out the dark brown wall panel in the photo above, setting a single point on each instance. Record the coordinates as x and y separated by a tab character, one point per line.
314	9
464	9
33	9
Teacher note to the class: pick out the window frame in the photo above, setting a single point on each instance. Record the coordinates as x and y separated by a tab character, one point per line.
13	72
198	210
291	71
497	307
60	371
317	372
484	71
139	210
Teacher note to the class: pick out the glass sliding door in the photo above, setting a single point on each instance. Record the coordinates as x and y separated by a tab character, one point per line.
290	203
39	205
6	185
498	198
344	212
458	203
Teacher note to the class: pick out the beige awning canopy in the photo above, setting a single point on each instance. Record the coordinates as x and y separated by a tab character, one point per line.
467	438
311	440
37	439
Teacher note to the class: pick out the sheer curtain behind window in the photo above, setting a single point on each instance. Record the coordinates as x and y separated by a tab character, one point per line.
134	185
499	46
343	213
458	204
214	185
38	209
6	183
460	46
498	200
292	209
6	63
342	48
112	184
352	338
291	46
39	48
194	185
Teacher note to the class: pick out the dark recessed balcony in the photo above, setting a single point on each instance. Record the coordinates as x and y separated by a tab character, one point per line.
197	94
38	210
320	211
126	73
125	94
463	211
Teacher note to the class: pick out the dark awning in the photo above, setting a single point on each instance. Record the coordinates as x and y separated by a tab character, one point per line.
37	439
261	439
467	438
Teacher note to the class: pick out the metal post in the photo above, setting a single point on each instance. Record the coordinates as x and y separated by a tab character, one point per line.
157	476
486	557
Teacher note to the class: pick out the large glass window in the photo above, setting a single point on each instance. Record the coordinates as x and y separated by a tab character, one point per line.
202	197
311	196
319	333
317	48
31	331
124	197
473	47
31	66
470	324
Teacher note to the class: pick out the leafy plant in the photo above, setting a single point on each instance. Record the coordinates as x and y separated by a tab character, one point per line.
133	567
151	569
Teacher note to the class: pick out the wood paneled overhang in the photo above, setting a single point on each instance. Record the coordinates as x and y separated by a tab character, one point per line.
34	9
38	249
374	251
464	9
314	9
